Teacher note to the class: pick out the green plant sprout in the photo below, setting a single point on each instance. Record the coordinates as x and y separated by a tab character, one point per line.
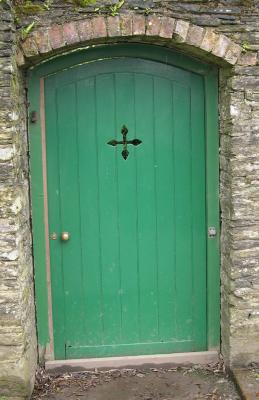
25	32
116	7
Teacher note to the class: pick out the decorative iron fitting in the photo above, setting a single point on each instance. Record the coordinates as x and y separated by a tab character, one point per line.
124	142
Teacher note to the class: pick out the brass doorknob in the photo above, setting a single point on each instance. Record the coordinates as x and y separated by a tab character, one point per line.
65	236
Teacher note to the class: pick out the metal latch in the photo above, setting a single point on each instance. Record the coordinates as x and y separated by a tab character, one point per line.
212	231
33	117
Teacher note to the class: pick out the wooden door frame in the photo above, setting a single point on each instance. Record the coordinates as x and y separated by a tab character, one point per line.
37	155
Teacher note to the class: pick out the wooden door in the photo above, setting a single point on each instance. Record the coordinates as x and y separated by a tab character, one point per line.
131	279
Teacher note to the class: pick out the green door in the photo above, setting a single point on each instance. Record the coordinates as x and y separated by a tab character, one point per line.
131	279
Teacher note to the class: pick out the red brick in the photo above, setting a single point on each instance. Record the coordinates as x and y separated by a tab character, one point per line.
113	26
41	38
233	53
181	30
126	24
209	40
153	24
138	25
56	37
99	27
221	46
29	47
85	29
195	35
167	27
70	33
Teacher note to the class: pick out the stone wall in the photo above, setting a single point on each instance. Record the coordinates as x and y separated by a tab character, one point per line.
238	20
17	321
240	214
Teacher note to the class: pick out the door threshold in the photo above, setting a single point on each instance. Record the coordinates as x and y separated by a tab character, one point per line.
158	360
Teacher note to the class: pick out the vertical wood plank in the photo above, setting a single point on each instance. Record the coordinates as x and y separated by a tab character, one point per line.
127	208
89	213
108	206
183	211
53	167
70	211
165	210
198	211
146	209
213	212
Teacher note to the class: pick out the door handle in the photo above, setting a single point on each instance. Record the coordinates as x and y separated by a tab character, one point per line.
65	236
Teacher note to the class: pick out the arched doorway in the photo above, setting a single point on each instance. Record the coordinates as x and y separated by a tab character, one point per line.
139	271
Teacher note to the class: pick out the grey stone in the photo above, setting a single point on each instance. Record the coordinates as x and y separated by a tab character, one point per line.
17	322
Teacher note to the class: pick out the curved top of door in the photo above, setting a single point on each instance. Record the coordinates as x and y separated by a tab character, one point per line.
131	50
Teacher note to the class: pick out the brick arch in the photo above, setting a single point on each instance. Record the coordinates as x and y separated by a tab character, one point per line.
167	31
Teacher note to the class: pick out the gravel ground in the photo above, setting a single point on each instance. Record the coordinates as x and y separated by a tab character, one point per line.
195	382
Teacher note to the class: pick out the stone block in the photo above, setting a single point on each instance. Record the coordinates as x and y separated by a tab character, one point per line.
248	59
29	47
41	38
221	46
181	30
17	378
248	71
126	24
56	37
240	83
138	25
209	40
20	60
70	33
85	30
99	27
195	35
10	353
6	153
153	25
167	27
233	53
12	255
113	26
252	94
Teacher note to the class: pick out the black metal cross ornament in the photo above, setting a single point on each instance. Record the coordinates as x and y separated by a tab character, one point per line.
124	142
